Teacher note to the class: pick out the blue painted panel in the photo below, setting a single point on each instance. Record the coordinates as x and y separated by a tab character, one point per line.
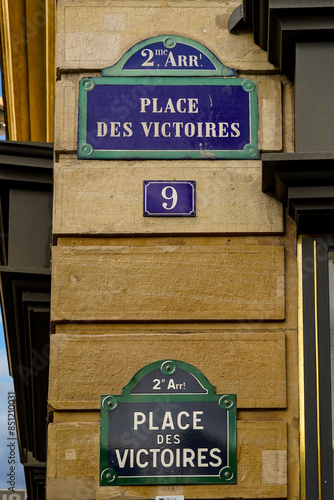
182	117
187	439
166	55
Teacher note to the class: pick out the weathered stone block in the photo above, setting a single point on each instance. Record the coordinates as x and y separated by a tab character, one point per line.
270	111
171	282
87	365
73	463
94	35
107	198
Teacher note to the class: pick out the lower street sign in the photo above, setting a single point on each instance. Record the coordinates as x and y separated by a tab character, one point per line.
168	427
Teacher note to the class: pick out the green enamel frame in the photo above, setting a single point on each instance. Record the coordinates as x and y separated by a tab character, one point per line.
228	402
118	68
86	150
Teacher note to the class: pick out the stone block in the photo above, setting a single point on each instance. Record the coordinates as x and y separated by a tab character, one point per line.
71	488
89	364
104	197
171	282
270	111
73	466
94	35
74	449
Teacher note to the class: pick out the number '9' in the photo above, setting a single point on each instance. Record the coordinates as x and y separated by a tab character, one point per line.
173	197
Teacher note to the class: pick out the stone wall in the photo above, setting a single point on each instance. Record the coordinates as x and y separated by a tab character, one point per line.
218	291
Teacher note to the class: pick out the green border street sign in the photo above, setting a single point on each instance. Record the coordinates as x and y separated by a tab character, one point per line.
168	97
168	427
161	56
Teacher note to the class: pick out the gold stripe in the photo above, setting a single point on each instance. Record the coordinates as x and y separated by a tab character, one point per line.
301	370
8	71
50	19
316	330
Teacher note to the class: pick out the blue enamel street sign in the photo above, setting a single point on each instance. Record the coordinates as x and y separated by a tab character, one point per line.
168	427
140	109
169	198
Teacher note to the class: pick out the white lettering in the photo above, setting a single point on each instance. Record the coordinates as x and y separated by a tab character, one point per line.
213	455
200	457
132	459
164	133
155	106
177	126
102	129
114	129
150	54
127	129
188	457
178	457
138	421
154	452
169	106
182	61
171	457
140	452
190	129
144	102
167	421
235	129
161	52
197	420
182	105
210	128
223	129
193	105
156	129
179	423
178	105
121	461
171	384
199	129
193	60
170	60
156	457
150	419
146	128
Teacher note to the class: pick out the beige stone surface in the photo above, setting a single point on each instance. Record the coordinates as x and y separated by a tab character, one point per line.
107	198
288	113
253	438
95	34
66	111
71	488
270	111
82	439
167	283
85	366
274	467
269	101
